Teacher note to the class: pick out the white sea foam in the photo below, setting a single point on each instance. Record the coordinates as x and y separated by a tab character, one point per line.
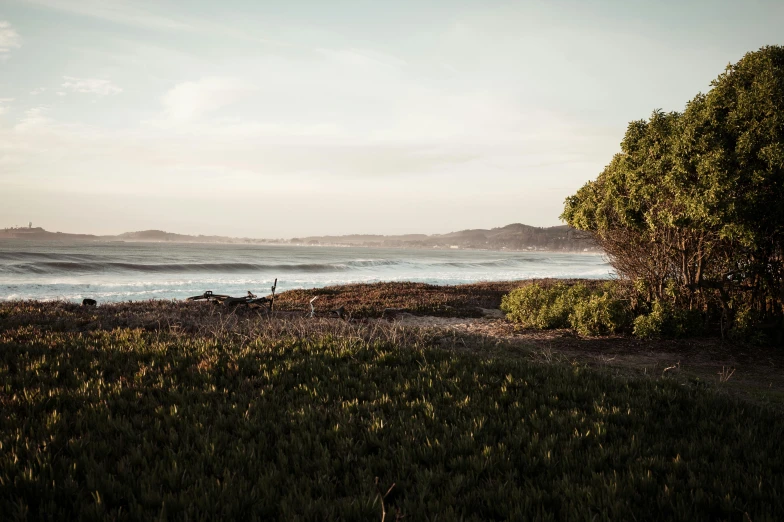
30	270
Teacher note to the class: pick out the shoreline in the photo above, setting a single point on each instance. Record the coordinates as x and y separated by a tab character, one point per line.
463	318
358	290
285	243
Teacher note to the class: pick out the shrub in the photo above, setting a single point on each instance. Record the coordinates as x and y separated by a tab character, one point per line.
650	326
664	320
746	326
534	306
524	305
599	315
562	306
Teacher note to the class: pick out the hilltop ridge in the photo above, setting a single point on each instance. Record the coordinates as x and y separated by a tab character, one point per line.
515	236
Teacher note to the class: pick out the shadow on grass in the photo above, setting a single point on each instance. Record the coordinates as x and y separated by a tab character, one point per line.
127	423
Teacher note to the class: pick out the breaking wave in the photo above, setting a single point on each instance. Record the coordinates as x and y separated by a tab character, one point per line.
60	267
121	272
74	266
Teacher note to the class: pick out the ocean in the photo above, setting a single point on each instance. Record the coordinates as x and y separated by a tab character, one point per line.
117	271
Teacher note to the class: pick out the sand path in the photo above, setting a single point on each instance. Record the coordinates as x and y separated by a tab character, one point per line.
747	370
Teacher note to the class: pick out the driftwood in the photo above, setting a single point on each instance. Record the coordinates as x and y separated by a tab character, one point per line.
227	300
208	296
252	301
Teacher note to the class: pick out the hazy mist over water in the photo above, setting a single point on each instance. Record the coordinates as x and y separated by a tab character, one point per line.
140	271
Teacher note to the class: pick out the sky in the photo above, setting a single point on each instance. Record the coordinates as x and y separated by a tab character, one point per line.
280	119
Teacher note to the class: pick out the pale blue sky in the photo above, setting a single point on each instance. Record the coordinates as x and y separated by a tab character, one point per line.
280	119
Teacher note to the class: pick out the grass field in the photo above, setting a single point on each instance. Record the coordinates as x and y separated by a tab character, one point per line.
182	411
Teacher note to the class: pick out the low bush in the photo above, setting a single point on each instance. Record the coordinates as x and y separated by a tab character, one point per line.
599	314
650	326
747	327
667	321
542	307
589	311
606	309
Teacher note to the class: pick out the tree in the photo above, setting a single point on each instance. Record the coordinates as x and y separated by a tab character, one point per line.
691	208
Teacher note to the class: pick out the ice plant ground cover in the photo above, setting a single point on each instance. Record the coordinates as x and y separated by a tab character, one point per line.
177	410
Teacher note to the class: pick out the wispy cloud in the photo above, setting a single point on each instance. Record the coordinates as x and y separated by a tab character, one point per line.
192	100
3	106
91	86
9	39
36	92
122	12
361	58
33	119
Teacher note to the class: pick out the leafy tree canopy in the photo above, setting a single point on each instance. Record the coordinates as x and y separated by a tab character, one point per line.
695	199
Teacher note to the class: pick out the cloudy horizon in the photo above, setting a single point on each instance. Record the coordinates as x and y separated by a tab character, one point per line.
269	120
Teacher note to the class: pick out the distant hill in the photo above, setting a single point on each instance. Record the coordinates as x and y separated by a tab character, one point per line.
153	236
38	233
511	237
160	235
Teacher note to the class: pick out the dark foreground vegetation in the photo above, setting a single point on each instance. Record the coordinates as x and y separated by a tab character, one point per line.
690	211
213	415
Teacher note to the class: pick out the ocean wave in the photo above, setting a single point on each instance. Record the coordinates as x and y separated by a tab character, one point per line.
363	263
124	273
84	267
53	256
500	263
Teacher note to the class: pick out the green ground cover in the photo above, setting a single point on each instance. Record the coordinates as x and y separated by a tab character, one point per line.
293	420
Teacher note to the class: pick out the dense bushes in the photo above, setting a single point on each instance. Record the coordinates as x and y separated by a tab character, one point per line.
665	320
602	310
690	209
599	314
535	306
590	312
